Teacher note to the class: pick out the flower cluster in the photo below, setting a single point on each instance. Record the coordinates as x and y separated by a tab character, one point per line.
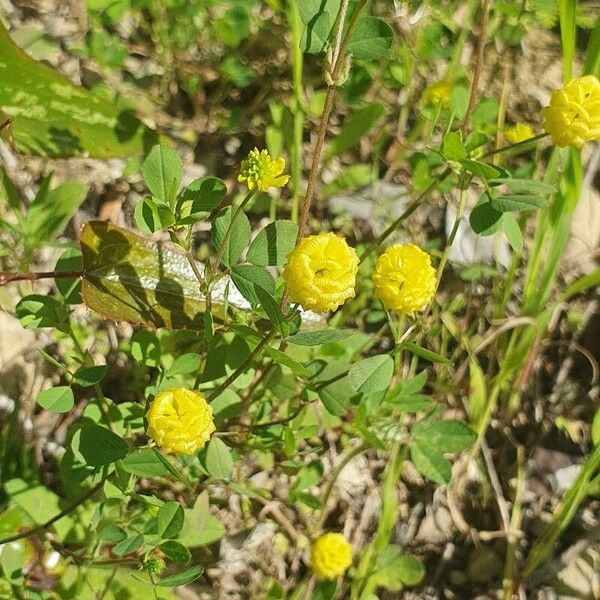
180	421
404	279
321	272
519	132
330	555
439	93
260	172
573	115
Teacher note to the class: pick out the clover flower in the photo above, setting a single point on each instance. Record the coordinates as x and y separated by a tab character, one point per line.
261	172
573	115
404	278
439	93
518	133
320	272
330	555
180	421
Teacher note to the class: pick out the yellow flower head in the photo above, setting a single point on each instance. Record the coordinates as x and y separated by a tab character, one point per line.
261	172
330	555
404	278
439	93
320	272
518	133
180	421
573	115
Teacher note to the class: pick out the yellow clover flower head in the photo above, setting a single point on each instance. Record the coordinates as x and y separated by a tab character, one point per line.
518	133
320	272
261	172
330	555
180	421
439	93
573	115
404	278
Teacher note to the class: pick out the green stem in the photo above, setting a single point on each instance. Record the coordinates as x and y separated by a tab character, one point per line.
409	211
253	355
297	107
229	229
361	588
54	519
564	514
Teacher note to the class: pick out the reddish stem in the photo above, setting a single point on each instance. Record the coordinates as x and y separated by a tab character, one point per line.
8	277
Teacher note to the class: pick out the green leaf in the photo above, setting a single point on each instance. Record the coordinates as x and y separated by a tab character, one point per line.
89	376
245	277
211	531
596	428
185	364
219	462
144	462
54	117
176	552
162	171
151	216
273	244
316	338
130	278
336	396
511	229
287	361
393	570
182	578
517	202
271	308
98	446
35	311
145	348
371	374
57	399
524	186
225	406
49	214
452	146
430	463
484	218
128	545
69	287
371	39
446	436
424	353
318	17
169	520
238	238
355	127
411	386
481	170
412	403
199	198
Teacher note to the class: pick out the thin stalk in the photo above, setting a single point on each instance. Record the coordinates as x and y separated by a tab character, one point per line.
361	588
515	526
409	211
8	277
339	51
517	146
254	354
229	229
55	518
564	514
297	107
335	473
477	66
459	214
